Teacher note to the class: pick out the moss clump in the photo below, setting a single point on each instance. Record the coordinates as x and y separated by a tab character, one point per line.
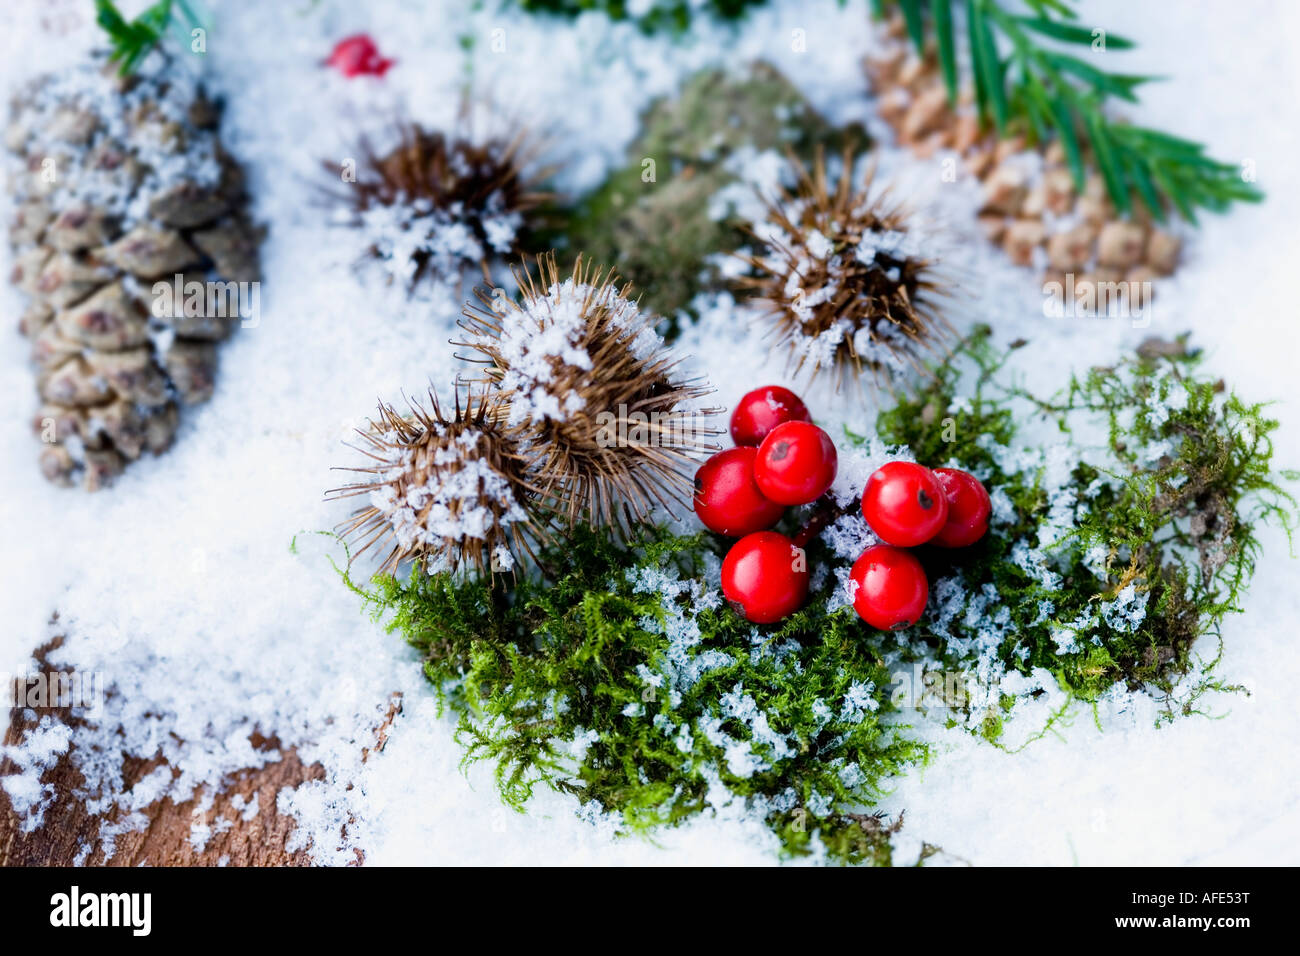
1108	572
619	676
625	681
671	16
656	224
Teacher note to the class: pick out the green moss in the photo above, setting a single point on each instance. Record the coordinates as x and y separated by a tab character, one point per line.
652	222
678	707
1172	510
671	16
578	657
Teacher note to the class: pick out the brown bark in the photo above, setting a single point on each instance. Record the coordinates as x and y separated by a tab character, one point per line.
165	840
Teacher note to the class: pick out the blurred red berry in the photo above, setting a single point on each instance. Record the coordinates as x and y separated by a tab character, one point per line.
357	55
761	410
727	499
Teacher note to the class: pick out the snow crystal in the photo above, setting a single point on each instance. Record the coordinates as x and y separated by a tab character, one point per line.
848	536
738	705
39	752
1067	635
822	711
818	244
892	243
1094	559
1003	511
246	807
582	741
551	329
845	591
819	804
851	775
1126	612
858	702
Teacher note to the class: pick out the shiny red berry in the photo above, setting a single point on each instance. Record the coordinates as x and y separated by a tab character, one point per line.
796	463
765	577
904	504
727	499
968	509
761	410
891	587
357	55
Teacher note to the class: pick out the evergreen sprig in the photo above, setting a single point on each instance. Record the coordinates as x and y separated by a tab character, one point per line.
132	40
1025	85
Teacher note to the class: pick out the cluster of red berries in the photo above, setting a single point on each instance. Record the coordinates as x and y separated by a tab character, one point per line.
906	505
781	459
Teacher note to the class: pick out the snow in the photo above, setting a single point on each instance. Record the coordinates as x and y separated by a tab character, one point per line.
179	585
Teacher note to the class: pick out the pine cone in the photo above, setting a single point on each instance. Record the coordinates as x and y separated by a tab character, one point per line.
119	184
1032	207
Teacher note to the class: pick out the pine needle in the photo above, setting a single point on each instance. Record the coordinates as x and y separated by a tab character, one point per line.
1025	81
132	40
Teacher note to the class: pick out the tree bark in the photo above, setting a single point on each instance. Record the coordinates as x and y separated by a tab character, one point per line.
68	826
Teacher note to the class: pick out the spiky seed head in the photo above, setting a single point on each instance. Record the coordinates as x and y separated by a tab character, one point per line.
611	428
849	285
436	202
445	488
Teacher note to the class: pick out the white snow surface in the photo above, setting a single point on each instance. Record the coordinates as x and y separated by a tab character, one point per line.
179	585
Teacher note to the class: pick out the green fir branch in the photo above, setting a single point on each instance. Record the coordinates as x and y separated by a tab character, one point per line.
132	40
1025	85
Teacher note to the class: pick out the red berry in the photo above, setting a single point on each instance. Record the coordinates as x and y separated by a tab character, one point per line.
968	508
904	504
761	410
357	55
796	463
891	587
765	577
727	499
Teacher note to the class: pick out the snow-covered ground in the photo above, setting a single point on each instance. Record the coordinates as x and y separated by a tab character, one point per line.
180	587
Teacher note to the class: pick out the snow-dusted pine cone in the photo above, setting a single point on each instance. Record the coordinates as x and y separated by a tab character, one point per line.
849	283
434	203
121	188
447	488
610	428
